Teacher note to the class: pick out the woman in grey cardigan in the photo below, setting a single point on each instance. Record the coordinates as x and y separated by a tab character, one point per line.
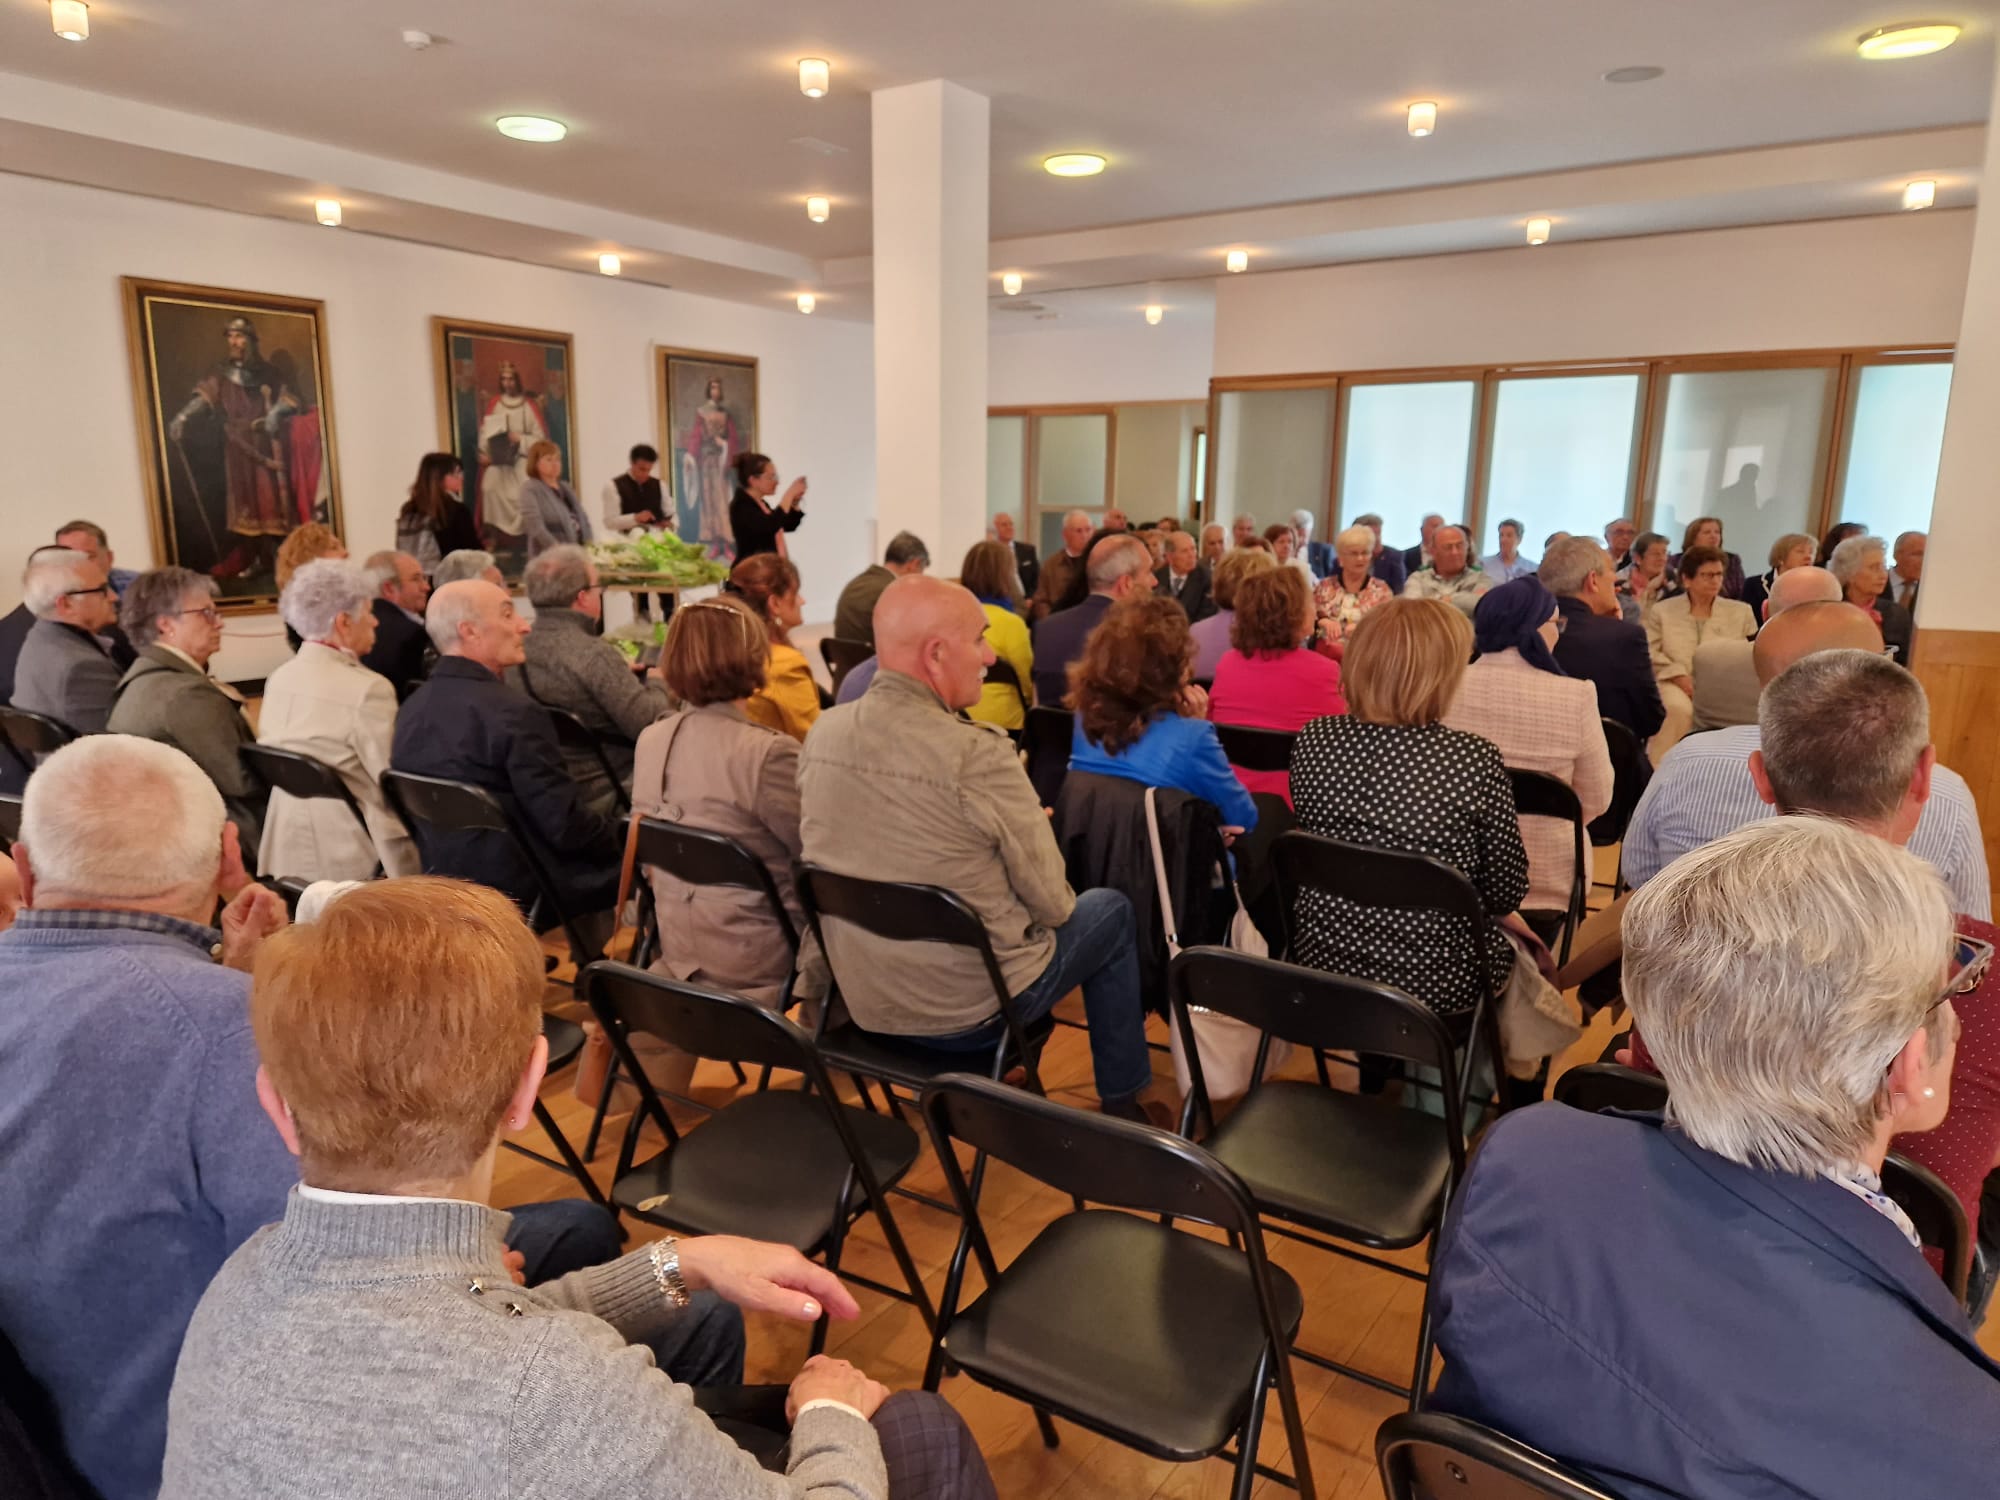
550	512
374	1342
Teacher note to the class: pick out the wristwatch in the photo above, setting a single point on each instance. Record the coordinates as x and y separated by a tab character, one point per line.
665	1255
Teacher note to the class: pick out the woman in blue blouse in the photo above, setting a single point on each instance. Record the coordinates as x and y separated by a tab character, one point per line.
1139	714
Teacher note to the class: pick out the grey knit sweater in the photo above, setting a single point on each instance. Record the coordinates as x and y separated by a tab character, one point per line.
344	1353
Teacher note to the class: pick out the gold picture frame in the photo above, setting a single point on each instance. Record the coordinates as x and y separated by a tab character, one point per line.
490	429
699	437
234	399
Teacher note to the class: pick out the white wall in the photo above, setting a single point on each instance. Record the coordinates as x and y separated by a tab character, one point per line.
1047	366
66	387
1881	280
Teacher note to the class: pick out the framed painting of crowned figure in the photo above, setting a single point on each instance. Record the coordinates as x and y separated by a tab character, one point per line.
708	415
501	391
236	420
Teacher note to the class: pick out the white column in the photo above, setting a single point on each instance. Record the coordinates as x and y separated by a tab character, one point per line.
930	189
1958	592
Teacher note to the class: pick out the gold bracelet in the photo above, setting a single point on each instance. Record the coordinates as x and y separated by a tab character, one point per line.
665	1256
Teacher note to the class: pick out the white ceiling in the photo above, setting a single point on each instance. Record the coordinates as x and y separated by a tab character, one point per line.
685	120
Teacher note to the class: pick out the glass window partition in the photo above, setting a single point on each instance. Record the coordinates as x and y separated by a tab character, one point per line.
1560	457
1895	433
1274	453
1007	470
1406	451
1072	462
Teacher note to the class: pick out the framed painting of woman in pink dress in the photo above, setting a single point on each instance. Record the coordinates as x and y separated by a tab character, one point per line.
708	415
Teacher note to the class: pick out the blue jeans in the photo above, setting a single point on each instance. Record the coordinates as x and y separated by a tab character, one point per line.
1098	948
702	1347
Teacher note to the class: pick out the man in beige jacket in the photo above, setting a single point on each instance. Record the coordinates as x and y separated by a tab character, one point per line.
898	786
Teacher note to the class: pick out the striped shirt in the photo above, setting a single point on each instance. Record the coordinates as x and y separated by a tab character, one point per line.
1703	790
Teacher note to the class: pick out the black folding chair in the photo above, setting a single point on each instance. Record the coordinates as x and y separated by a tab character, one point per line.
1540	795
1257	749
10	820
792	1166
578	738
1003	672
29	735
841	657
299	775
428	803
1385	879
1361	1169
1158	1338
1630	771
1600	1086
1935	1212
1430	1456
1047	739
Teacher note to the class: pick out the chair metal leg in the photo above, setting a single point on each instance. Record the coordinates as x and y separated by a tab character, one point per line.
1420	1379
1050	1437
1295	1426
737	1069
1325	1079
568	1153
603	1109
833	1249
1253	1424
954	1276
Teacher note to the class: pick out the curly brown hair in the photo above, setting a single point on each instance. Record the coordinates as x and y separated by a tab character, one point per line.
1134	665
760	579
1269	607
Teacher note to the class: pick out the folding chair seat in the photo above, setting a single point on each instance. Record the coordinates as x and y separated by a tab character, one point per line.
1429	1456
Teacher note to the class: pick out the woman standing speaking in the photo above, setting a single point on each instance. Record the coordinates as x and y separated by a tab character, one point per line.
757	525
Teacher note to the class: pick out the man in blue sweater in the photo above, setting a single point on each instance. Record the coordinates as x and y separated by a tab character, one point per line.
137	1156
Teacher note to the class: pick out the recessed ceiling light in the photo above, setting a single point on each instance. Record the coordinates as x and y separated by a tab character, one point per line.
417	41
530	128
1906	39
1155	313
807	303
1538	231
71	19
1643	73
1920	194
327	211
609	264
1237	260
1074	164
815	77
817	209
1423	119
1010	283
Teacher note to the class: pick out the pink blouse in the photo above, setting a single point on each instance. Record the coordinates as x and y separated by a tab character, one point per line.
1285	691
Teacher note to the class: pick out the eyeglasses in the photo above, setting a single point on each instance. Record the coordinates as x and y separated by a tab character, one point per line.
1561	622
102	588
1974	959
207	612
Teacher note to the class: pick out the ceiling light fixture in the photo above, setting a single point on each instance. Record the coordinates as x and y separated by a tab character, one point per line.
1906	39
1238	260
71	19
1073	164
817	208
1642	73
815	77
609	264
1155	313
418	41
531	128
806	303
1423	119
1921	194
1538	231
1010	283
327	211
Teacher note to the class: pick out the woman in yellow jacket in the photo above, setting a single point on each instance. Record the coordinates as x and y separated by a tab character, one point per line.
989	572
789	700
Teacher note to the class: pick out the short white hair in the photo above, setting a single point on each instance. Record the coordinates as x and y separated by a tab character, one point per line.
1775	973
52	573
1851	556
1303	518
450	607
112	818
1114	557
456	567
323	589
1796	586
1356	535
1077	515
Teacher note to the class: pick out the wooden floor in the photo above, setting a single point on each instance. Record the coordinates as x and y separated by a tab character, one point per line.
1354	1313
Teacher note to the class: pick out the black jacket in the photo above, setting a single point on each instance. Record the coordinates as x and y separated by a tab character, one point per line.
1029	568
1605	650
1100	826
398	652
1059	641
468	725
755	527
1194	595
14	628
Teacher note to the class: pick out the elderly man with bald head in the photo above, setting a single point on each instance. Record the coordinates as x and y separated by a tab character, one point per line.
466	724
1704	788
899	786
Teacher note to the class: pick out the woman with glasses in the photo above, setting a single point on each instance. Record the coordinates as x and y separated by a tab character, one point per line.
167	694
1516	695
1676	626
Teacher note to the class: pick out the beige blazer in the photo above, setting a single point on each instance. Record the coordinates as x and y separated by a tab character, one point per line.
1672	633
325	704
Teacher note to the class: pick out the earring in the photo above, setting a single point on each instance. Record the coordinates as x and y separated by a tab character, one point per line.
1930	1093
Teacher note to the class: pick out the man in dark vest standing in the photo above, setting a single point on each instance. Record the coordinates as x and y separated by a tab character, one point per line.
633	499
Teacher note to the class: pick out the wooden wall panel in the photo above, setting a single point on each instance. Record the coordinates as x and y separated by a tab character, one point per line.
1960	671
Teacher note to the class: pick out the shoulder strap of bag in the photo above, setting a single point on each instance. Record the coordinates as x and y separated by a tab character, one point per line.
628	867
1167	919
